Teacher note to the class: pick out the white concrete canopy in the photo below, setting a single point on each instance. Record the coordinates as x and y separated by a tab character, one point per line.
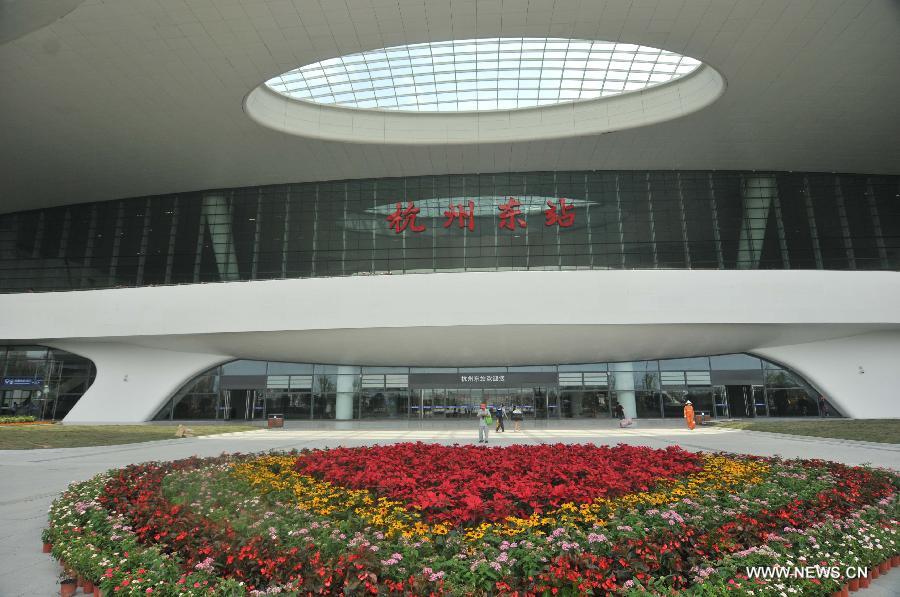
823	324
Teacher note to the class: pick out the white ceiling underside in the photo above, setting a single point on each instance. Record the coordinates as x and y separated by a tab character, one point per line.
123	98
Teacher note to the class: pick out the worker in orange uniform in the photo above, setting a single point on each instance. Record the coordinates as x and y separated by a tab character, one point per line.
689	414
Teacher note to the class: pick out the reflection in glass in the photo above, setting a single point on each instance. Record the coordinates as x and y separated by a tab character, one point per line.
791	402
647	404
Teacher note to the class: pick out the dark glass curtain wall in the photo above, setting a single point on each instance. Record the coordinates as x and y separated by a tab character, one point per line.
610	220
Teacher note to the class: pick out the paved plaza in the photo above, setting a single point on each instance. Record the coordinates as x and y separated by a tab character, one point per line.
32	478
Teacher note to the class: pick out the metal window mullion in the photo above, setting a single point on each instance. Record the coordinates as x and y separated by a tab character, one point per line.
764	390
375	238
845	223
558	247
285	231
64	237
403	239
876	224
779	222
465	263
232	267
89	246
173	235
117	243
587	215
434	259
16	276
145	239
38	237
315	247
48	371
714	209
652	222
254	267
619	222
344	231
526	235
64	248
201	230
684	232
811	221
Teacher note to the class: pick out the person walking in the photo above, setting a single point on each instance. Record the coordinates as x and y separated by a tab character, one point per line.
483	418
500	413
620	412
689	415
517	418
823	406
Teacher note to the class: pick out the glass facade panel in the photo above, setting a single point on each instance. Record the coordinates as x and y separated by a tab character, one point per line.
494	222
42	383
733	384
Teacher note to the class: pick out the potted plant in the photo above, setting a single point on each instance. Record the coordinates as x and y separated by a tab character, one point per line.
45	538
67	586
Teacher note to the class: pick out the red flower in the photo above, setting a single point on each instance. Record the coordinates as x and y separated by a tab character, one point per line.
468	484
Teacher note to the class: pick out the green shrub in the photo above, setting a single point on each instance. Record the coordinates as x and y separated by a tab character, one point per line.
21	419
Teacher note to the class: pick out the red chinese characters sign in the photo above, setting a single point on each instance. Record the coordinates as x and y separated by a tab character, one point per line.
565	217
404	218
560	213
466	217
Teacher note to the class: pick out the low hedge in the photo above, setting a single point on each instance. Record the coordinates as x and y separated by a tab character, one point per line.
17	419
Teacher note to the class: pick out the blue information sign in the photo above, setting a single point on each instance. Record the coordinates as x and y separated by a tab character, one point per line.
23	381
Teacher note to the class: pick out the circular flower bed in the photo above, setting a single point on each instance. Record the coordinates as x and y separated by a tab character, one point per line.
421	519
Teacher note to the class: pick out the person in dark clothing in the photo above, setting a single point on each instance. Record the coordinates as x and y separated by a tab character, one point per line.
620	412
500	414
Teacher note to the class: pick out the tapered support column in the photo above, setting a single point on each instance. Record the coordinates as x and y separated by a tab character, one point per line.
133	382
858	375
344	408
756	194
624	385
217	215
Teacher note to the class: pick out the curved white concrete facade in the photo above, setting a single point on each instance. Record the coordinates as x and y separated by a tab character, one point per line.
146	342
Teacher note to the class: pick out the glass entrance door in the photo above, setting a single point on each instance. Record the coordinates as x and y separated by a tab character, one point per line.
442	403
742	400
535	402
233	405
720	402
527	399
256	405
759	400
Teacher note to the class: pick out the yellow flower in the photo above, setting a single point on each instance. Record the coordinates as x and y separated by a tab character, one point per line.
395	519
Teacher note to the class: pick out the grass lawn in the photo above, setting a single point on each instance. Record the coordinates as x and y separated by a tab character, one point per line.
870	430
27	437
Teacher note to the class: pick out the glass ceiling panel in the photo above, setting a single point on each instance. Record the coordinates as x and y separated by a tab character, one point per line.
506	72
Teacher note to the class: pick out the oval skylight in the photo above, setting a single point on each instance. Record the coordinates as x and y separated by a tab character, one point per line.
482	74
